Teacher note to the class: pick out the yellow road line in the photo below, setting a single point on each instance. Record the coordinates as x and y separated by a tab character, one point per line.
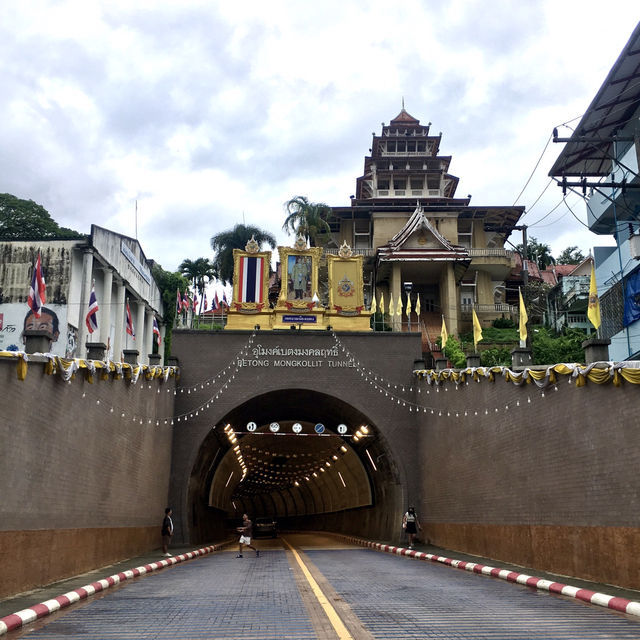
331	613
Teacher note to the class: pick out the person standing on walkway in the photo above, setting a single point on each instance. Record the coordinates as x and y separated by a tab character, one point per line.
411	525
167	532
246	530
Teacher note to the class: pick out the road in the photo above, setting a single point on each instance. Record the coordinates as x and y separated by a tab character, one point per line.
311	586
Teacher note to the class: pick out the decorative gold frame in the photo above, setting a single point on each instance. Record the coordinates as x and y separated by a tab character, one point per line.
250	307
333	264
297	305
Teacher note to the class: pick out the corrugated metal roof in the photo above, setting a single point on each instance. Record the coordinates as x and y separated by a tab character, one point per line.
589	151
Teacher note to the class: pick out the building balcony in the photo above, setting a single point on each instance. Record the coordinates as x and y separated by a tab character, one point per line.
488	309
601	213
491	253
367	253
407	193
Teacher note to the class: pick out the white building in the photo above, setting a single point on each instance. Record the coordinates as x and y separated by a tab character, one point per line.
601	159
114	264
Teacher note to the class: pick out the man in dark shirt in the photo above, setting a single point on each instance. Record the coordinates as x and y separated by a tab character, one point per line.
167	532
245	532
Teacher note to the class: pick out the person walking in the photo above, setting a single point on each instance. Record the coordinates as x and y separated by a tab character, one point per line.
411	525
167	532
246	531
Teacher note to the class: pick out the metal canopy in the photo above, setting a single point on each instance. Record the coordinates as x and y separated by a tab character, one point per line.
589	151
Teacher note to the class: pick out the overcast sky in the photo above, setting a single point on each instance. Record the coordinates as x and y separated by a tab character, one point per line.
210	113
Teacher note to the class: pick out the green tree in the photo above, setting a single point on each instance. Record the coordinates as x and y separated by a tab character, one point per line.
169	283
199	272
26	219
571	255
225	242
308	219
537	252
550	348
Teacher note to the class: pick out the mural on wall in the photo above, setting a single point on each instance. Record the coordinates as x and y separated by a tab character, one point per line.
15	318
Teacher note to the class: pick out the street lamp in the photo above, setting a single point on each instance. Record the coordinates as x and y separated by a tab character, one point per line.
408	286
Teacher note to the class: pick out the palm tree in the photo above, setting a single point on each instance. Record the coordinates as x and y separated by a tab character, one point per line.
308	219
225	242
199	272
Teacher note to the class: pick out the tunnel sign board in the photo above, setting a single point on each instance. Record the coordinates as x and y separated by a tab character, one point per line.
342	429
251	426
297	427
319	428
274	427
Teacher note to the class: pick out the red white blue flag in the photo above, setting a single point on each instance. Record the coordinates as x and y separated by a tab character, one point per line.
250	278
215	304
185	302
179	302
92	317
224	300
156	331
195	303
130	329
37	291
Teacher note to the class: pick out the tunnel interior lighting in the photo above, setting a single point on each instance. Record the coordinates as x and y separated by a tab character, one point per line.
373	464
344	484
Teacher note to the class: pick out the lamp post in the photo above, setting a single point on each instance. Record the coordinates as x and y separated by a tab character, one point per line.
408	286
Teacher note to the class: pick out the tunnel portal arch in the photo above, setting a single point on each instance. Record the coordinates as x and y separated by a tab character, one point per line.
306	479
319	379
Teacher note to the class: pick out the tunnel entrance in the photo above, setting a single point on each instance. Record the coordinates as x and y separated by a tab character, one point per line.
303	457
233	380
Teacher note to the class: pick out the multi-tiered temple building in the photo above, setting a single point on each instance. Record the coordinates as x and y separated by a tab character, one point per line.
418	238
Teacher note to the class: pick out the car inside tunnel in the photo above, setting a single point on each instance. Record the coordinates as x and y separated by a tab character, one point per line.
302	457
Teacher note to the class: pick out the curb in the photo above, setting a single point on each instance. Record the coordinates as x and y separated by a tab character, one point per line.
16	620
622	605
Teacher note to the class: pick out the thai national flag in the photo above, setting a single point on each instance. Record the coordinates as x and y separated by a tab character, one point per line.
92	315
215	305
195	303
156	331
130	330
37	292
185	302
225	304
250	278
179	302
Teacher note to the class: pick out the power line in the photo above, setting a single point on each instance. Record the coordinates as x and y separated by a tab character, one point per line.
534	170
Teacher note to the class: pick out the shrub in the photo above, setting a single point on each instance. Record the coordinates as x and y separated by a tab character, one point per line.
454	353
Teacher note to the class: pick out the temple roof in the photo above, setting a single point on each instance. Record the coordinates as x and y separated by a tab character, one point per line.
404	118
395	249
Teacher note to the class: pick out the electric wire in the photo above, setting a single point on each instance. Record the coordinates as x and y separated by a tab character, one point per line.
532	172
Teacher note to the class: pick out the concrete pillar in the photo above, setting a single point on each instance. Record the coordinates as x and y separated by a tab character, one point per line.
473	360
449	299
137	311
521	358
85	292
148	333
596	350
37	340
131	356
119	322
105	305
155	359
163	331
396	291
441	363
96	350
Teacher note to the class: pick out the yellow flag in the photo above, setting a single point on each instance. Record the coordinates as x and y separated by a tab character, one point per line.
477	330
593	312
523	319
382	303
391	309
443	334
373	303
399	305
408	305
418	305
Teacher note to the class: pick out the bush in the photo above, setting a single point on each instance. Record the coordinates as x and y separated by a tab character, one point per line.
496	357
503	323
549	348
454	353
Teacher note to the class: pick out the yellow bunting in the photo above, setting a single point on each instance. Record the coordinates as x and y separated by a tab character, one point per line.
22	368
